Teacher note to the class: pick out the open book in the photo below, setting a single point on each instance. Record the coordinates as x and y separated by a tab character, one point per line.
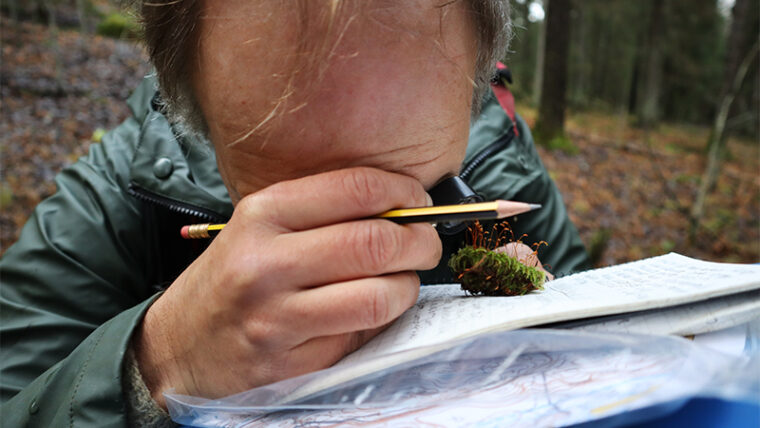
657	295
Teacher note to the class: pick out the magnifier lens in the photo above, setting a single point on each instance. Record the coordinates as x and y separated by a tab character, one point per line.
452	191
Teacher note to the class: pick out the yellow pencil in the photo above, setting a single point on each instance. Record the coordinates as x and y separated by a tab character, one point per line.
436	214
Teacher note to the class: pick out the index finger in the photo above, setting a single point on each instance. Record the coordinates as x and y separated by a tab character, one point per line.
334	197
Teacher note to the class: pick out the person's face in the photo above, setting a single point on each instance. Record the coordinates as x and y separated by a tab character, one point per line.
390	88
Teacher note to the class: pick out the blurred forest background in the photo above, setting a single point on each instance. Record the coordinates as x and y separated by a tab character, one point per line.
646	113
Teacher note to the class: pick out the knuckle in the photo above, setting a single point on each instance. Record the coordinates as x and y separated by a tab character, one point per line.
381	245
259	333
251	205
417	192
364	187
377	307
263	207
252	332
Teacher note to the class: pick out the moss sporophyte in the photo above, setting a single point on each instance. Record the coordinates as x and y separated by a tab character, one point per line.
486	267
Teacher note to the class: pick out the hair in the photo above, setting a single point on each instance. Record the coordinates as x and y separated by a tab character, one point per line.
170	35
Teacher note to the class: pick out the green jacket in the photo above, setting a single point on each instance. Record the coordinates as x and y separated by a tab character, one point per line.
94	256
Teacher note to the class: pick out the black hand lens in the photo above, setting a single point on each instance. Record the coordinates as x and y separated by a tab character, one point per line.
452	191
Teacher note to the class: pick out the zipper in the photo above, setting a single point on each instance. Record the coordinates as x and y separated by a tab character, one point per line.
175	206
492	148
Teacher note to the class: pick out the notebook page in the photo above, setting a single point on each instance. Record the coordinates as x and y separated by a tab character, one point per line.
688	319
444	313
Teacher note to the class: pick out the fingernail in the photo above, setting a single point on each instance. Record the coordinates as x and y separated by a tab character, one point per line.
429	200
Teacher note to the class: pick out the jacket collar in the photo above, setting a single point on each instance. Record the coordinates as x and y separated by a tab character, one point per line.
177	172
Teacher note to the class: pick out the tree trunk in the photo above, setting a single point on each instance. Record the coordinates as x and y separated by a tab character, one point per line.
580	61
735	49
551	114
53	33
647	103
538	75
13	8
634	89
716	141
82	14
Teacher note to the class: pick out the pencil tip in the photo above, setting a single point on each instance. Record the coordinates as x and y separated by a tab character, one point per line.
510	208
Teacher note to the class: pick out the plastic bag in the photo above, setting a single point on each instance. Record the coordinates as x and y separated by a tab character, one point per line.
526	377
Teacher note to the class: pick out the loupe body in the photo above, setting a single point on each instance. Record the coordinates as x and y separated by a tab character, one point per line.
452	191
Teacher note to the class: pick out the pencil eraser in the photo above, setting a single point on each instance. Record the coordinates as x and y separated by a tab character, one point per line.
185	232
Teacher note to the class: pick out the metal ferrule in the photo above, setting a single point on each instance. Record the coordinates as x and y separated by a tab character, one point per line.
198	231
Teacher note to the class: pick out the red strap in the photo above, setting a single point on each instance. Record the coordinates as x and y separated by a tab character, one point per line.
506	100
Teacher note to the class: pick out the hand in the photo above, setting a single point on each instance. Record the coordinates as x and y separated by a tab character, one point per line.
525	255
293	283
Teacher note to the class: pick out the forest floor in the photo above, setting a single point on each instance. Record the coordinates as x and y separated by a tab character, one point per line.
628	193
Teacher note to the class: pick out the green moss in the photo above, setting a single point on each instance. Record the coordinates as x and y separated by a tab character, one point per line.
598	245
482	271
118	25
667	245
564	144
97	135
554	140
6	196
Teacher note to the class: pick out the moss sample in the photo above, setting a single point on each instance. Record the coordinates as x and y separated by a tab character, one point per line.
484	271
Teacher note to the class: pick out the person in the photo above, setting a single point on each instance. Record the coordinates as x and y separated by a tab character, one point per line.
319	114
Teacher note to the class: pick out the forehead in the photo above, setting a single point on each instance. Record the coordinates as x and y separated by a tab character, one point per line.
284	60
388	87
309	36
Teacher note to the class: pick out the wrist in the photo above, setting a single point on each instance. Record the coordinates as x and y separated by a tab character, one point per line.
142	409
153	355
